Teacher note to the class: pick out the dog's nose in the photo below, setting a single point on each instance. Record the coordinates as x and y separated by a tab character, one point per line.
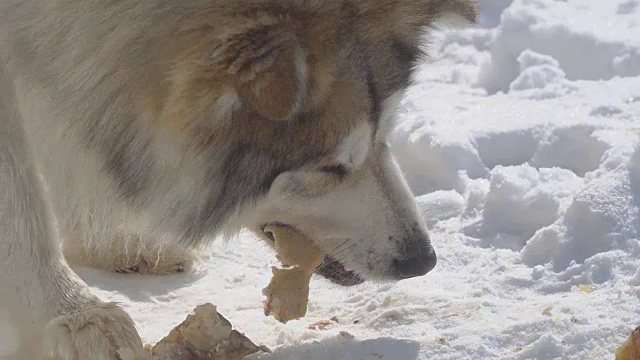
415	266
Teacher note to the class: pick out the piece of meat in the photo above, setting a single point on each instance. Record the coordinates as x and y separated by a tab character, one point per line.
288	292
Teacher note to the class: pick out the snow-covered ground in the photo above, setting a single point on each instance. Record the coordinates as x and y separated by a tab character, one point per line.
519	140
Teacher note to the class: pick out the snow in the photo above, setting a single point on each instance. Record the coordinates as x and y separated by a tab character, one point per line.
520	142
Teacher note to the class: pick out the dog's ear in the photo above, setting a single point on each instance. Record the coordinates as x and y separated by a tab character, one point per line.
266	64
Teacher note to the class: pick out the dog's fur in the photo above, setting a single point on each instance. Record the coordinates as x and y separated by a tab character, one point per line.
134	130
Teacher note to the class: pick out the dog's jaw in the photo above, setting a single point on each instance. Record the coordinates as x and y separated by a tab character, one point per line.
331	268
334	271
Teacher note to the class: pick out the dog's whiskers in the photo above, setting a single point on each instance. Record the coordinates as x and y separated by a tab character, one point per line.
331	257
343	250
331	254
324	264
339	246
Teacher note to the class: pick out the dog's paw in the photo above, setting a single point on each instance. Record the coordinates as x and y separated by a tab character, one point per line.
129	254
144	267
103	332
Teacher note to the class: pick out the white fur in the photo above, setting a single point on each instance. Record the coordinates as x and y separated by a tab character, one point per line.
102	332
302	77
355	147
301	69
389	108
225	105
39	287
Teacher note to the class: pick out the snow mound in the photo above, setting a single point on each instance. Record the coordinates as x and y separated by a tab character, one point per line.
537	71
433	165
520	201
541	26
574	148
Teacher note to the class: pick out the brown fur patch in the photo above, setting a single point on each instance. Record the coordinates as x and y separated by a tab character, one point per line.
252	51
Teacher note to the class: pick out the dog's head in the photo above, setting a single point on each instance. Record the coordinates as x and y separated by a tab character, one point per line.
310	91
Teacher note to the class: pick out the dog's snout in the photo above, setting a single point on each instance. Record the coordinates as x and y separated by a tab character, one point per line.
415	266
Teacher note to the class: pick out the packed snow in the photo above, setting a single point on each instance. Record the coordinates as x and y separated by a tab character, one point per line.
519	139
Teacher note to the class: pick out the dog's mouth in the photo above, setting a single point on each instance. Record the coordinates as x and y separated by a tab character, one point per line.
331	268
334	271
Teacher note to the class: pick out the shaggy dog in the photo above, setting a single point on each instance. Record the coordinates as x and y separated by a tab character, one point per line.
134	131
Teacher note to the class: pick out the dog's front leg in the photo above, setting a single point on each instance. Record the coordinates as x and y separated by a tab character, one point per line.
38	289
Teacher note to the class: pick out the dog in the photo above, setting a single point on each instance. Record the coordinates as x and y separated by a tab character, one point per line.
132	132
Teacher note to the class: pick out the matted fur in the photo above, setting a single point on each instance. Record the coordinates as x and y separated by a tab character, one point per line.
158	125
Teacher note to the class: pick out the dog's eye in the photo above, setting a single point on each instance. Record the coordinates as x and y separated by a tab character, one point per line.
338	170
270	235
